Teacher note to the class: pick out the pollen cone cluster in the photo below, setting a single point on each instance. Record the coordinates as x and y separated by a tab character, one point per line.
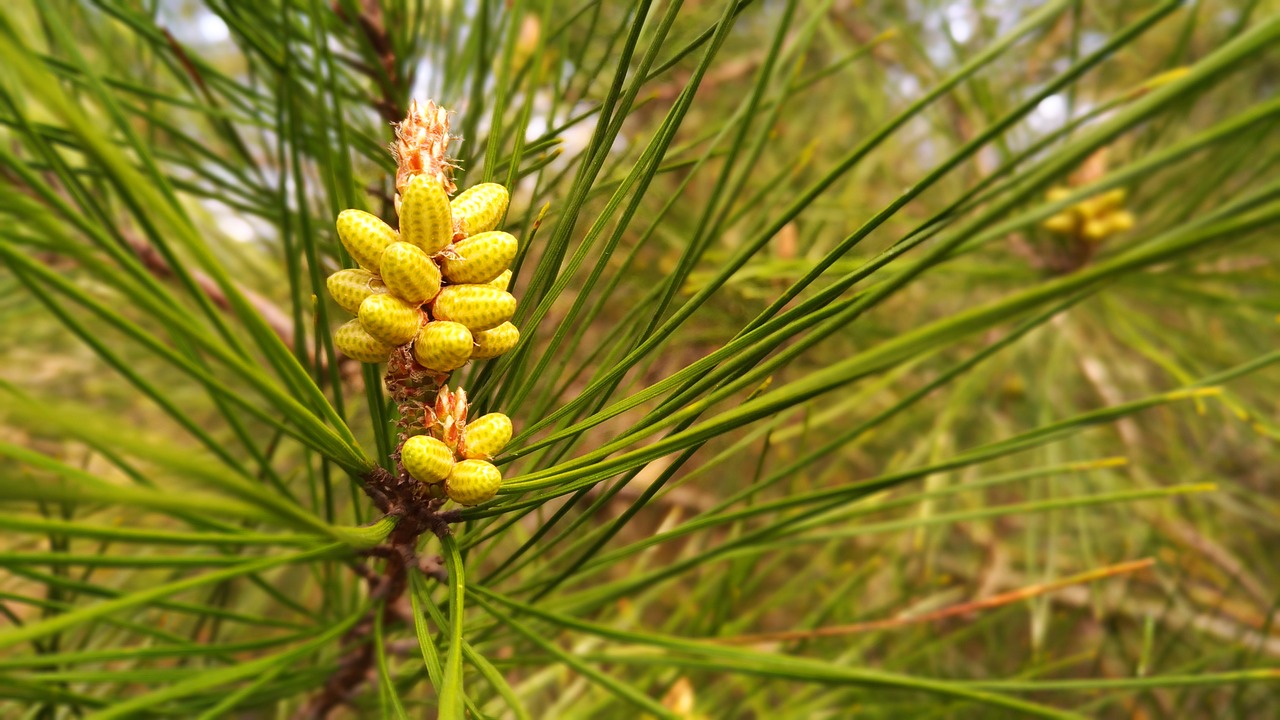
1092	220
439	281
453	456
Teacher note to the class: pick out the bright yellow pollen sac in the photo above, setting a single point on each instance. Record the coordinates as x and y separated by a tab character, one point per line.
472	482
502	282
480	208
495	341
427	459
426	220
409	273
390	319
479	307
485	436
350	287
351	339
479	258
365	236
1094	219
443	346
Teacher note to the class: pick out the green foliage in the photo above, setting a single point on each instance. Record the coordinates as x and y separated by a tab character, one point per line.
813	416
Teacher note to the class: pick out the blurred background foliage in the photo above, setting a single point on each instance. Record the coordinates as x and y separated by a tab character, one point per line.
815	418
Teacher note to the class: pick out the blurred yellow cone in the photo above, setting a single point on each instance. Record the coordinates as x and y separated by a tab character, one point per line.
1062	223
1120	221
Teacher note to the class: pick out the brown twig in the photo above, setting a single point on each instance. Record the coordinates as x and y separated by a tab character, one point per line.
352	670
416	508
964	608
1060	258
373	25
185	61
728	73
1187	535
399	496
357	663
279	323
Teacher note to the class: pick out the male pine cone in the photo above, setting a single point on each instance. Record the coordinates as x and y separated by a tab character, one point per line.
445	268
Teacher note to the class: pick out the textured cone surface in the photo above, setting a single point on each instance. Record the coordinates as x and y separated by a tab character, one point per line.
349	288
479	209
480	258
486	436
479	307
427	459
425	218
472	482
496	341
351	339
502	282
409	273
443	346
364	236
390	319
